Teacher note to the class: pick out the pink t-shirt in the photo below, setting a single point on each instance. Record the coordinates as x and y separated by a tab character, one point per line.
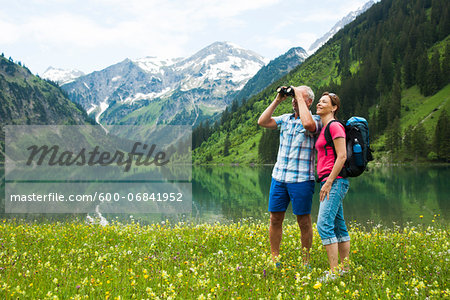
325	163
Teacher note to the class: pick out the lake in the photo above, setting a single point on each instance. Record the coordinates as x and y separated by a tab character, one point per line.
383	195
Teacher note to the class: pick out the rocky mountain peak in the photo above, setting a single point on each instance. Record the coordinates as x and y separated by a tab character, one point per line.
338	26
208	79
61	76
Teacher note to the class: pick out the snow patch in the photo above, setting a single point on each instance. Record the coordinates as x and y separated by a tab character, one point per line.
92	108
61	76
103	107
149	96
152	64
234	69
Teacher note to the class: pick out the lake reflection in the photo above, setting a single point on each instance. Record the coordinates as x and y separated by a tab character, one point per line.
382	195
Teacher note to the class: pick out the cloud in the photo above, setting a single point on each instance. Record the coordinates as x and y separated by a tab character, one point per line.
160	25
115	29
10	33
193	9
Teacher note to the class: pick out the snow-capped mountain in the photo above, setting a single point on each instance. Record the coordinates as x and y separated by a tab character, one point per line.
273	71
338	26
61	76
200	85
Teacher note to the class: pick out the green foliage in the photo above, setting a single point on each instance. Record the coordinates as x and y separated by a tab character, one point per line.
394	137
268	146
441	142
27	99
372	64
222	261
226	146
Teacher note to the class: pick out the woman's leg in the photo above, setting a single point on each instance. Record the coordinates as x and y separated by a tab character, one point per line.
332	252
341	229
325	225
344	252
331	231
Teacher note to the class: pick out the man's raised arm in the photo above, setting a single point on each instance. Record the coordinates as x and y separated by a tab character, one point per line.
266	120
303	101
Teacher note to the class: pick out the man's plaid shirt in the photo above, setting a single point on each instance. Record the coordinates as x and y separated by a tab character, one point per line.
295	160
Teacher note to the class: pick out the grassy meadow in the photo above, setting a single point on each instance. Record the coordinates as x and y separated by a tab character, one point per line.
74	260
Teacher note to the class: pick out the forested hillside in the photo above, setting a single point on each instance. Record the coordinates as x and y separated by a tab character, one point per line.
26	99
391	66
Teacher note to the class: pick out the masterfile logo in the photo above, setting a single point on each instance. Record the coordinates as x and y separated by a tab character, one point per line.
120	168
93	153
53	156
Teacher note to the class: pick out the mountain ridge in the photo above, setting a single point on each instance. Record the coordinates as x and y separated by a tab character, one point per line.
392	51
61	76
210	77
26	99
338	26
272	71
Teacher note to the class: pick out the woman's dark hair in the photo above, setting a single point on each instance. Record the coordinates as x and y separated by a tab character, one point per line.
335	101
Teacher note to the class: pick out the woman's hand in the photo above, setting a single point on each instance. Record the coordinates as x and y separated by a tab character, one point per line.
325	191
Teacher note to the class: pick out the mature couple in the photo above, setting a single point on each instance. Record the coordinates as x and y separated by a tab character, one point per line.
293	174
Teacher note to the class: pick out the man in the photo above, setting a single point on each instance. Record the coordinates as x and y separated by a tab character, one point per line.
293	173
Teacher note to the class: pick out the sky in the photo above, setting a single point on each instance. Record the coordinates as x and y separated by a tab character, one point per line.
90	35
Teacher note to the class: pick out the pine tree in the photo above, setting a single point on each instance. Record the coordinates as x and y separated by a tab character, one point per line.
386	71
444	23
395	103
393	137
373	125
407	141
419	142
226	145
441	141
434	74
382	114
446	66
421	74
409	68
268	146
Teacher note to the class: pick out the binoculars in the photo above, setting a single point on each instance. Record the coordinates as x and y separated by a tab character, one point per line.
286	91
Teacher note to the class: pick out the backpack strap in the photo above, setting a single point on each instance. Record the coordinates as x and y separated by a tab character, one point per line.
329	142
329	139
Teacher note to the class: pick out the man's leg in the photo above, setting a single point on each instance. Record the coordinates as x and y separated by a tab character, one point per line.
304	222
276	232
278	203
301	194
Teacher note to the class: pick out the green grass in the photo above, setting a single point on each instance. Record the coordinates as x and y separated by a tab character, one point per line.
418	108
165	261
146	115
208	110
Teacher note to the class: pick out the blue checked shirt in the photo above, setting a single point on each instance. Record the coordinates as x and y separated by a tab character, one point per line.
295	160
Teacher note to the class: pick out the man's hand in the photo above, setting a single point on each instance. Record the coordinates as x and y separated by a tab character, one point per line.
266	120
281	97
300	93
303	102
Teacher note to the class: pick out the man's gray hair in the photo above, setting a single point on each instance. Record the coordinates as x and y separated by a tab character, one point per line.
310	92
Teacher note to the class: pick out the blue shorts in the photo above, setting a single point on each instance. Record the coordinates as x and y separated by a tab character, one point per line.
300	193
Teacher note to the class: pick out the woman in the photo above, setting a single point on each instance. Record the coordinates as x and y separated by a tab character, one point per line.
330	221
